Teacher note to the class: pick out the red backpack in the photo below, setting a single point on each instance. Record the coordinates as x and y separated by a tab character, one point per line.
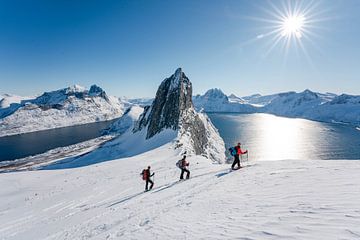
144	174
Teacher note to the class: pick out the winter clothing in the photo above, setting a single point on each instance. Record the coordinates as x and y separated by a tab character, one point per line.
184	169
146	176
237	157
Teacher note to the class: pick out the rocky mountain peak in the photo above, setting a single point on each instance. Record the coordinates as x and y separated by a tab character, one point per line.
173	109
173	97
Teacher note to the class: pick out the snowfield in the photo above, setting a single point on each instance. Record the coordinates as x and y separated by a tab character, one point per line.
265	200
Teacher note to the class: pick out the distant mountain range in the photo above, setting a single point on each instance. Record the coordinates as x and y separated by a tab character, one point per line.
326	107
65	107
77	105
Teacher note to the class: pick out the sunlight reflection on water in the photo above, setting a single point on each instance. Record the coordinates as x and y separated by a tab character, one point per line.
270	137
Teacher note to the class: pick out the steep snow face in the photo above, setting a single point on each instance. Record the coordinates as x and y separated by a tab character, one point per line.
65	107
214	100
173	109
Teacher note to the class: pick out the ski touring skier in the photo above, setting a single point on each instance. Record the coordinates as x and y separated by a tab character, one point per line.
183	165
236	152
146	175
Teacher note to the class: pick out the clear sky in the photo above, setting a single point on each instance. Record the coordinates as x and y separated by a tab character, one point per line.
129	47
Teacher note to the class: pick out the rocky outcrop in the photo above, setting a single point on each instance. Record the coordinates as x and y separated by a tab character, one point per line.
173	109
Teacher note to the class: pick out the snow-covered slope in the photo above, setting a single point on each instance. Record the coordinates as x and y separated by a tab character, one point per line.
10	103
214	100
7	99
265	200
235	99
260	101
293	104
171	118
126	122
343	108
65	107
316	106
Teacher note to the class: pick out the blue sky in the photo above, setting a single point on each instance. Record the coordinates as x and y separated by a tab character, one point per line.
129	47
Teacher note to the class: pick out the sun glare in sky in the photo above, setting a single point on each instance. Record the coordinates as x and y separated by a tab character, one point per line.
293	26
289	24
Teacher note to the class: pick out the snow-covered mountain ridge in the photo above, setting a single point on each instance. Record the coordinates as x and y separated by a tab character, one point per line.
311	105
170	119
65	107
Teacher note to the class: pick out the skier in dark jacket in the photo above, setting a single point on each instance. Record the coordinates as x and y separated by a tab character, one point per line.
183	166
237	155
146	177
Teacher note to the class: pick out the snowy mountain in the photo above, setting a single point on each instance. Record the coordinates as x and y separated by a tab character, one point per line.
170	119
327	107
214	100
65	107
260	101
294	104
344	108
316	106
235	99
7	99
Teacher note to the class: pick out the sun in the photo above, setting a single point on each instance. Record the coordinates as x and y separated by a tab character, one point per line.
290	26
293	26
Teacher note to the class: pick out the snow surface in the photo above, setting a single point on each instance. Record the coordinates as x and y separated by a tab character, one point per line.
61	108
265	200
126	122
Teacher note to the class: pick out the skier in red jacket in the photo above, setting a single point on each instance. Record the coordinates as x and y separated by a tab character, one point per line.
146	177
236	156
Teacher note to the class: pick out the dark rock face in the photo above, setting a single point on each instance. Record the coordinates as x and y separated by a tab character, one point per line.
192	124
97	91
173	97
173	109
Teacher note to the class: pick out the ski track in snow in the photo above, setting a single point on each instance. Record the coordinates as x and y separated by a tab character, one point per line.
265	200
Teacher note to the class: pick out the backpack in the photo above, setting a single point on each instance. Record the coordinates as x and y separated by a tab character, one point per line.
144	174
233	151
179	163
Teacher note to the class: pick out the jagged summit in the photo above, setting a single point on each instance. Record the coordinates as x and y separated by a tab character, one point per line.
173	109
173	97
